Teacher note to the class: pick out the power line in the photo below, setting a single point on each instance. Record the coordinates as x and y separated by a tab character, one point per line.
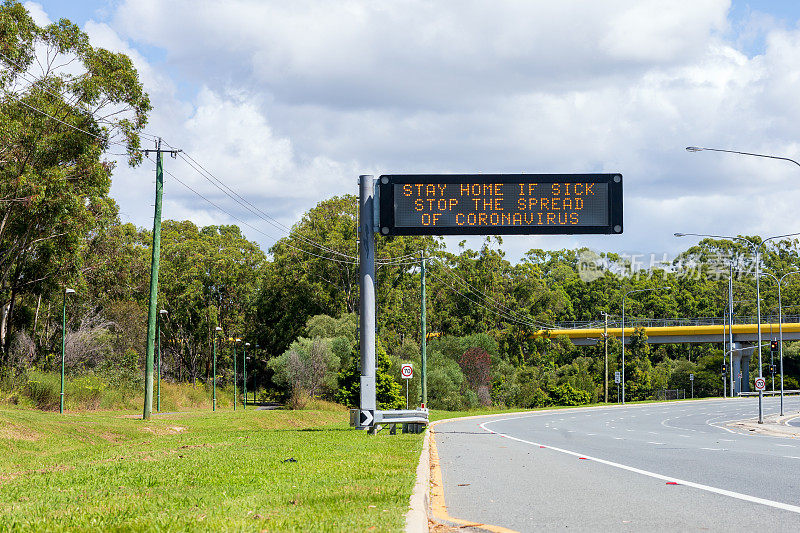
486	297
239	199
234	217
495	311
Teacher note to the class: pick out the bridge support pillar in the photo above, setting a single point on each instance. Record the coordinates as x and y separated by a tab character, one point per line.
741	366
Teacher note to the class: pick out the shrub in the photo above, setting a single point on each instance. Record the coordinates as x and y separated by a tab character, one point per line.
44	390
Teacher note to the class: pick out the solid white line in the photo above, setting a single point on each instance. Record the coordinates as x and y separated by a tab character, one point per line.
651	442
791	457
712	449
785	445
715	490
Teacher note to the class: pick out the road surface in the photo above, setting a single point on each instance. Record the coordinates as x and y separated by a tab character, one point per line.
666	466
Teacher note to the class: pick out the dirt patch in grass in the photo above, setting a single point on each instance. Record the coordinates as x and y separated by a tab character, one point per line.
166	430
18	433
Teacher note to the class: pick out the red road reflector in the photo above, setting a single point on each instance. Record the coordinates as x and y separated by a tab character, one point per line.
672	482
584	458
542	446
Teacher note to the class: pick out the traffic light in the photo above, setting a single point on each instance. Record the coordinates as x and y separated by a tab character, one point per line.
771	369
773	346
724	368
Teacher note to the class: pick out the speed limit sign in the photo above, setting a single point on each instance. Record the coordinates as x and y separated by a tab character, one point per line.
761	384
407	371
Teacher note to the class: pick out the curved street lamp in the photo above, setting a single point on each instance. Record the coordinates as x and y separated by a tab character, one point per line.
235	373
162	315
624	296
757	251
244	374
214	365
64	342
701	149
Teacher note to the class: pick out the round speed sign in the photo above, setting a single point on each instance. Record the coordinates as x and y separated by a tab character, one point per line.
760	383
407	371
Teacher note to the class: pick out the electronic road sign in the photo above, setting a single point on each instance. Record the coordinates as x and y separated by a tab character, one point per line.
500	204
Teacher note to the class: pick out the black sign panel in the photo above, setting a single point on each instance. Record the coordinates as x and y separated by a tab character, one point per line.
500	204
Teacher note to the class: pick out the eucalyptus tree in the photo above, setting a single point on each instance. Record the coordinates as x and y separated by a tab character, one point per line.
64	107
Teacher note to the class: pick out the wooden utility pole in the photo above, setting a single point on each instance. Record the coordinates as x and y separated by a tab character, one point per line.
151	316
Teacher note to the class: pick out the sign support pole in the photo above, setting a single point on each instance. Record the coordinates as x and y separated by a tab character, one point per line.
423	370
366	256
605	358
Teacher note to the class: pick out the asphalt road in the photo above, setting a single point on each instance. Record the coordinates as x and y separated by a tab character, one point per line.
668	466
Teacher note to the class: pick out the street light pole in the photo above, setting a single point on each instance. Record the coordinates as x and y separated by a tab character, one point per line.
701	149
235	374
779	282
624	296
64	342
244	375
756	248
214	365
162	314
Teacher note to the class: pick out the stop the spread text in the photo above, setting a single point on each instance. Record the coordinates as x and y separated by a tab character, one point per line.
501	204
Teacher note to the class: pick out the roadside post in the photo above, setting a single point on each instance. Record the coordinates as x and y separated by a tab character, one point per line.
617	380
691	380
407	372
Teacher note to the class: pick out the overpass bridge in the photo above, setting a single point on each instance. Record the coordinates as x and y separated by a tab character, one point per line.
674	331
698	330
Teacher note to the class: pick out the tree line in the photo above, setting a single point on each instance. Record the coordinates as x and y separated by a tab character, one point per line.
295	303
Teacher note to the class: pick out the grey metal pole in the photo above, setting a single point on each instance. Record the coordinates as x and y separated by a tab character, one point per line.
605	358
758	306
730	323
423	371
780	336
623	348
366	256
724	377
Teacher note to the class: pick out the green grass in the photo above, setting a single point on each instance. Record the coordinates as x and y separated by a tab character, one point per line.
198	471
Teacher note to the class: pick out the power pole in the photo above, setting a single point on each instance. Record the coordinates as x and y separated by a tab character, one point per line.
423	371
151	315
605	339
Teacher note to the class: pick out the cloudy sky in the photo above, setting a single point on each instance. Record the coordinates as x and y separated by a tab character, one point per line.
288	102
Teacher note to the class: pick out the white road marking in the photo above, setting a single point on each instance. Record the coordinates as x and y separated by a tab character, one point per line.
616	438
791	457
651	442
785	445
708	488
712	449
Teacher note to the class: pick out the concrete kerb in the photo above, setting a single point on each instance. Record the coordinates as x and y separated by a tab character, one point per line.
774	425
417	515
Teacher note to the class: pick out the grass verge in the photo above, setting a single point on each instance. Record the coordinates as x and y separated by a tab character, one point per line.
197	471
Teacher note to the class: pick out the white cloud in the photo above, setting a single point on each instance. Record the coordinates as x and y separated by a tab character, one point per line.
289	102
37	13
